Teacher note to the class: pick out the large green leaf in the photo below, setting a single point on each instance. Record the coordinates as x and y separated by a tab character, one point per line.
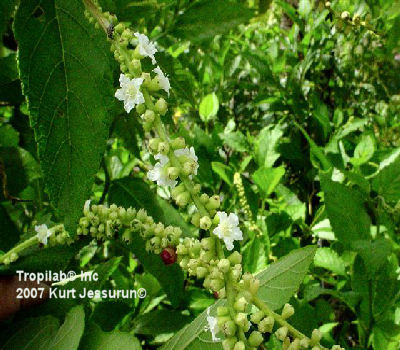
268	178
346	211
66	73
95	339
208	18
70	333
265	145
282	279
387	180
9	234
330	260
45	333
6	9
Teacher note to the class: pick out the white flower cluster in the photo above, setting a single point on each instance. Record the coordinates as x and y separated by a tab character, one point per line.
160	173
228	229
129	91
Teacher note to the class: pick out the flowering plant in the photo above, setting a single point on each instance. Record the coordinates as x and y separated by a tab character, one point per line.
218	215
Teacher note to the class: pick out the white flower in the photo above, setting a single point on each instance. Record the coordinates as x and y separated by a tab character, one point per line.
212	326
162	80
130	92
228	229
146	47
188	152
160	172
42	233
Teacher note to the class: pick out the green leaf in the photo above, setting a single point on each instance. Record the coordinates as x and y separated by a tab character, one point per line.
153	323
265	145
225	172
387	181
66	71
254	255
346	212
208	108
268	178
70	333
304	8
208	18
133	192
235	140
30	334
95	339
281	280
6	10
330	260
364	151
8	136
10	86
321	112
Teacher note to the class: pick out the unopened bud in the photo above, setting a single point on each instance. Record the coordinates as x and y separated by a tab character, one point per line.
163	147
266	325
345	14
196	219
287	311
257	317
205	222
222	311
140	109
213	203
161	106
235	258
239	346
178	143
255	338
240	304
304	343
281	333
173	173
242	321
149	116
229	343
224	265
316	336
229	328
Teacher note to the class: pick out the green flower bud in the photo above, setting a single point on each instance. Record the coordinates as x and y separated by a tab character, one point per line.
204	198
182	199
173	173
287	311
239	346
205	222
229	343
241	320
196	219
126	236
146	79
304	343
224	265
257	316
181	249
135	67
206	257
140	109
337	347
149	116
213	203
217	284
154	85
163	147
255	339
222	311
201	272
229	328
240	304
286	343
178	190
345	14
197	188
208	243
178	143
281	333
295	345
315	337
266	325
235	258
161	106
254	286
119	28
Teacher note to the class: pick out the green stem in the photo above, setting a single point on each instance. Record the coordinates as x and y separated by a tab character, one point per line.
19	248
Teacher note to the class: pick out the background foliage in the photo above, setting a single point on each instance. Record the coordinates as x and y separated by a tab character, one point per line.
302	99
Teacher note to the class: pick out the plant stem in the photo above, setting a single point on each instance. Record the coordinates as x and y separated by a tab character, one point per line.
20	247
